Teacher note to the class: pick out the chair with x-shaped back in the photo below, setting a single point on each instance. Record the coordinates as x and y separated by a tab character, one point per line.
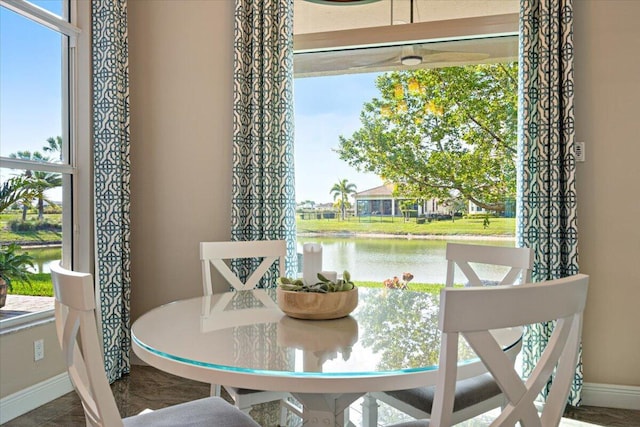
75	314
474	312
478	394
219	255
464	256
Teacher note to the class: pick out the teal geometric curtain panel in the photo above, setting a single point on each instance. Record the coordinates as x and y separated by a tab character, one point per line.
547	211
111	179
263	197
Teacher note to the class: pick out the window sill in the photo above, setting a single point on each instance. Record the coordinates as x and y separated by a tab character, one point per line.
26	321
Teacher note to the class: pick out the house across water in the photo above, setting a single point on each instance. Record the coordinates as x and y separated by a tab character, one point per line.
381	201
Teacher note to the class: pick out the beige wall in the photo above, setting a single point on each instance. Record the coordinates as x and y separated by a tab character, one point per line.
607	77
181	63
18	370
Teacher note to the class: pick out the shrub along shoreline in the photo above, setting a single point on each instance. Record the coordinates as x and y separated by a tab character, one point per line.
378	227
32	231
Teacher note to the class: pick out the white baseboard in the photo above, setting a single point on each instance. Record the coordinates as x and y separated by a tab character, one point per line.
20	403
611	396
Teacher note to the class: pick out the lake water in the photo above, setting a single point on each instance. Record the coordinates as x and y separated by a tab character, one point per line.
43	257
377	259
367	259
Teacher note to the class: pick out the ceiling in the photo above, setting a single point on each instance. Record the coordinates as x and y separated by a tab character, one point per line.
389	58
374	36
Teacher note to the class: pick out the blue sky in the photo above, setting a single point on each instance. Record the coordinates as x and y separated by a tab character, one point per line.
325	108
30	75
30	106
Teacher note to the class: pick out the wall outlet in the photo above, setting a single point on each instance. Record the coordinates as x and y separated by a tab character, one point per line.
580	151
38	350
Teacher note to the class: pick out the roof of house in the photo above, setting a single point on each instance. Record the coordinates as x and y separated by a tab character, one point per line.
383	190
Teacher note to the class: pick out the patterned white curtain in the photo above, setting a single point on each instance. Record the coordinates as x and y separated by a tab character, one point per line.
547	207
111	179
263	205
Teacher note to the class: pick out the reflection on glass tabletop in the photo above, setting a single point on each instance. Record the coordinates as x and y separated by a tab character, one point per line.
390	331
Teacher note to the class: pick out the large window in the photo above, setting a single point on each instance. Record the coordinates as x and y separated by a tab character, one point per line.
365	73
38	134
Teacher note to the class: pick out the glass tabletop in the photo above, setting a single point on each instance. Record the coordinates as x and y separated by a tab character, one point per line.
390	332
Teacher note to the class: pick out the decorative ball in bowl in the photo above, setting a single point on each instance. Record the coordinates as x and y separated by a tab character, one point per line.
321	301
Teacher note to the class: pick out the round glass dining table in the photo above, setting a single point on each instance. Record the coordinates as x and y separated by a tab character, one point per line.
390	341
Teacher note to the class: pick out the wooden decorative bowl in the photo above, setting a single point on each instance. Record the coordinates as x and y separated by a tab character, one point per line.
317	306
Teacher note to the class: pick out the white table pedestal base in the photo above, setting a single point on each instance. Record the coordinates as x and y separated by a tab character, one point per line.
326	410
369	411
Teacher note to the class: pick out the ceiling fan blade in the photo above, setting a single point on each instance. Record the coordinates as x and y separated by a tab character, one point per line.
454	57
366	64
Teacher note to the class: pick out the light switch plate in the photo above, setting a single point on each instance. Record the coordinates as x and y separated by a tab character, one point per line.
38	350
580	151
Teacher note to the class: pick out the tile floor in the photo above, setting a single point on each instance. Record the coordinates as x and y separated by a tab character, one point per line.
147	387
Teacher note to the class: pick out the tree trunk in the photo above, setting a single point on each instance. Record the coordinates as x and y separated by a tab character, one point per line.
3	292
40	209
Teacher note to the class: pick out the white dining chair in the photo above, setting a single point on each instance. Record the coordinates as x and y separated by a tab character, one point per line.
219	254
266	253
474	312
465	256
481	393
75	315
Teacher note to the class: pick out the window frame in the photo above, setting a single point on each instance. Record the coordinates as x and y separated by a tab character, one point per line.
76	164
450	30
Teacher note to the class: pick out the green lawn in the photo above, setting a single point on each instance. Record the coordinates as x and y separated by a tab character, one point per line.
422	287
397	226
372	225
40	285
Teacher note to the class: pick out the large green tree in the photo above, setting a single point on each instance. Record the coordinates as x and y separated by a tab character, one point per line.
441	133
342	190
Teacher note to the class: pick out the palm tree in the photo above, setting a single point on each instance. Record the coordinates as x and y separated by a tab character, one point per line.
37	181
13	190
54	145
342	189
341	205
43	182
